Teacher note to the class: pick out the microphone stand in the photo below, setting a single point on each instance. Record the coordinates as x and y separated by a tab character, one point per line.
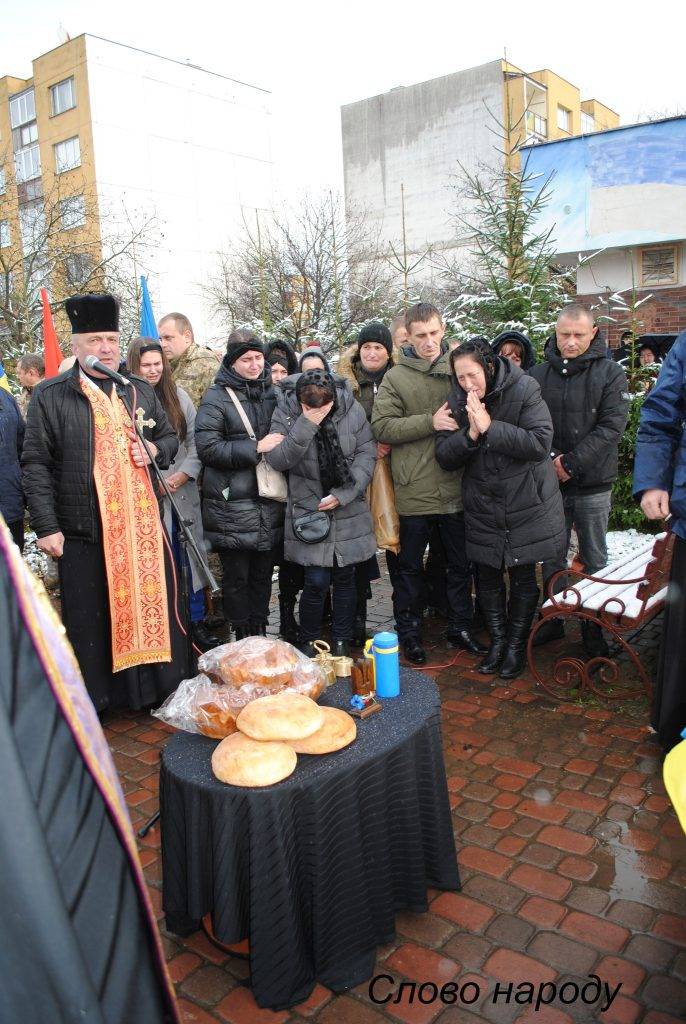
186	540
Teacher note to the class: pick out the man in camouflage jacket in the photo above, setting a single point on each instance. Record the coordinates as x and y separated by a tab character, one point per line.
193	367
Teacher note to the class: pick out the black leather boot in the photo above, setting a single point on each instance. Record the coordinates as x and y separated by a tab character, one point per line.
492	604
288	624
359	637
552	629
241	632
522	611
413	651
203	636
465	641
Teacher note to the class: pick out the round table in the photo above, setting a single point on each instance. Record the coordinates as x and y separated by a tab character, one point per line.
312	870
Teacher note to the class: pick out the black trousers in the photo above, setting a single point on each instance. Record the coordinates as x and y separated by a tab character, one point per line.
408	588
246	586
16	528
318	579
522	579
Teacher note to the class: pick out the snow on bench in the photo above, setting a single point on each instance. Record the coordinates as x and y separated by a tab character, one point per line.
623	598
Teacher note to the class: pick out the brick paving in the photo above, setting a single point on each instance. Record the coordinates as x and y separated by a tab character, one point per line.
572	863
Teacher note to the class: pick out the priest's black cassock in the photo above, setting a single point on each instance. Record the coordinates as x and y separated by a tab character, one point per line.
78	942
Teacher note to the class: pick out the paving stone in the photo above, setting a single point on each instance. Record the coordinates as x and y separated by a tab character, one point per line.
239	1007
320	996
671	927
507	965
208	985
651	952
430	929
510	931
666	993
541	912
481	835
541	856
562	953
541	883
566	839
614	969
486	861
594	930
466	912
588	899
634	916
500	895
578	868
469	950
347	1010
420	964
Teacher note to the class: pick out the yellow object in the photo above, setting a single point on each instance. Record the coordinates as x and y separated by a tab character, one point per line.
369	654
674	773
4	383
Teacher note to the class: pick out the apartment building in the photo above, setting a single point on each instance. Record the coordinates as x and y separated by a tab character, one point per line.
103	138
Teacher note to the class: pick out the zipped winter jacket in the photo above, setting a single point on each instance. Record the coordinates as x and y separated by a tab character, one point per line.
409	395
589	400
233	513
661	441
58	456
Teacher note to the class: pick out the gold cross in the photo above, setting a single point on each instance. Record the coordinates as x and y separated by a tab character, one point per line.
140	422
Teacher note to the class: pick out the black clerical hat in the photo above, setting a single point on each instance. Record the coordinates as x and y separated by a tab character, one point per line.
90	313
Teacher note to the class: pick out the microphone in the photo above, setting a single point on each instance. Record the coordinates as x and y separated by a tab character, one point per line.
94	364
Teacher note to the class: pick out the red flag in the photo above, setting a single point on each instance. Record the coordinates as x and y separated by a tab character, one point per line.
51	350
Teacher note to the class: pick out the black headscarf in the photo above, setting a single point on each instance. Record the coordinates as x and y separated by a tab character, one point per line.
333	467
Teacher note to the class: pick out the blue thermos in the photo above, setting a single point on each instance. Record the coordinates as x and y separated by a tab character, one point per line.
386	665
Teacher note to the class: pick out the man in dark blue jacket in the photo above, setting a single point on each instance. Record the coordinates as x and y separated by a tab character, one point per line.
11	443
660	482
588	398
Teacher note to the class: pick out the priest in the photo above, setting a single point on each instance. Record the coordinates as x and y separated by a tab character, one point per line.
79	942
94	507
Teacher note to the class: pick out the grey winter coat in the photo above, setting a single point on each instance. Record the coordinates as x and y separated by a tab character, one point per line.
351	537
188	497
512	502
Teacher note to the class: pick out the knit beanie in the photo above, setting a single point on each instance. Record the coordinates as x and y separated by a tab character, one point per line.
240	342
378	333
313	349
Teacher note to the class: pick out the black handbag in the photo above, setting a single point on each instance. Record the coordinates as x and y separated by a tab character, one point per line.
313	527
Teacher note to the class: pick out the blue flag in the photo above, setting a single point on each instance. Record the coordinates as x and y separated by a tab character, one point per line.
148	323
4	383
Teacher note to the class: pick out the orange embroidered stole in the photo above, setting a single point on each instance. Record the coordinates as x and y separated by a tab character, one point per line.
131	537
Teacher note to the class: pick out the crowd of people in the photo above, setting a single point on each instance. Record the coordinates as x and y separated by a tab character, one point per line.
269	455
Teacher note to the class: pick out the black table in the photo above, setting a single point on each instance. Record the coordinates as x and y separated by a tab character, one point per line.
313	869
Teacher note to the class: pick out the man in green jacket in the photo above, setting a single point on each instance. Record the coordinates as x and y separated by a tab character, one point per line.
410	409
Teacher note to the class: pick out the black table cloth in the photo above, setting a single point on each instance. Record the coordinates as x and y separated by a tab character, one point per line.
313	869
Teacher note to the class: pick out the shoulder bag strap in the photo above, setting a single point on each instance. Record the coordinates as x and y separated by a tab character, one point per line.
242	413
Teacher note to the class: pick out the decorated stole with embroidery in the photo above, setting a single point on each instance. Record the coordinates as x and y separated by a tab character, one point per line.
131	537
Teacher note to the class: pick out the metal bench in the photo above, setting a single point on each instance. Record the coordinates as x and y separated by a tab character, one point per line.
621	599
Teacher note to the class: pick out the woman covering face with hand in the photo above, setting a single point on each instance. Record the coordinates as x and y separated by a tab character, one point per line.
513	508
329	454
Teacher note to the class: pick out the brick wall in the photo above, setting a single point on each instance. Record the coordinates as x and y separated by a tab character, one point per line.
664	313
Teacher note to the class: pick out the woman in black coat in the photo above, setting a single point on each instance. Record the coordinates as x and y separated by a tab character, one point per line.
512	503
243	527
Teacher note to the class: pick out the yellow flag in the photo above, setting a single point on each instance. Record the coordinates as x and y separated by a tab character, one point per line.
4	383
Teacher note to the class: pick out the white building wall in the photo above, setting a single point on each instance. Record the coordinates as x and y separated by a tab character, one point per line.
417	135
619	270
188	145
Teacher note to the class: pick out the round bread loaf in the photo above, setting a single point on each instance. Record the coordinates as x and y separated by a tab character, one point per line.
259	660
338	731
240	761
281	716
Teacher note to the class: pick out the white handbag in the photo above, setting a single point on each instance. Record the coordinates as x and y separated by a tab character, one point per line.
270	482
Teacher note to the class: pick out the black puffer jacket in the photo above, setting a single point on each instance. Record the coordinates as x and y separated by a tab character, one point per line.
11	441
233	514
58	455
512	502
589	404
528	351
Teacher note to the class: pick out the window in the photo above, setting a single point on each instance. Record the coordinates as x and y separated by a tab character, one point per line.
564	119
27	162
23	108
32	227
587	123
24	136
73	212
659	265
62	96
67	155
5	238
3	181
77	268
